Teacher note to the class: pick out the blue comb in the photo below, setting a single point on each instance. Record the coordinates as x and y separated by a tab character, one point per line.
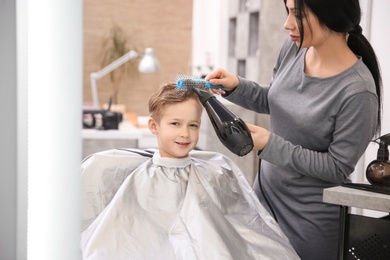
189	82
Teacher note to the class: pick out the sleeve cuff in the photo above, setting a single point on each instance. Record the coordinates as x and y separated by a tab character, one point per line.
263	153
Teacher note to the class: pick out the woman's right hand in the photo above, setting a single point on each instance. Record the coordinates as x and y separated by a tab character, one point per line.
222	77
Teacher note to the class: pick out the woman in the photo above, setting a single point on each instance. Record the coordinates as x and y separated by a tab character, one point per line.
325	107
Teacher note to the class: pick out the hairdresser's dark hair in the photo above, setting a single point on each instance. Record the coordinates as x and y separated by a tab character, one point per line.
344	16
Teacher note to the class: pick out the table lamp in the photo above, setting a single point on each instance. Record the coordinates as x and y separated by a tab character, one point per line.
148	64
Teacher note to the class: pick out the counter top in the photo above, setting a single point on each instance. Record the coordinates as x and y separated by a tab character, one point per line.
357	198
126	130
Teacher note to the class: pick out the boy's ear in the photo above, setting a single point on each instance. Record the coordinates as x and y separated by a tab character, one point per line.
152	126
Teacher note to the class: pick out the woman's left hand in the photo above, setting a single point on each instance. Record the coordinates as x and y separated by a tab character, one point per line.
260	136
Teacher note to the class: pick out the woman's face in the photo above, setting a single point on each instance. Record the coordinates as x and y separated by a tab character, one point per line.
314	33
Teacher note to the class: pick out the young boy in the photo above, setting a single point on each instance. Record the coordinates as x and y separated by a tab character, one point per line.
178	204
175	120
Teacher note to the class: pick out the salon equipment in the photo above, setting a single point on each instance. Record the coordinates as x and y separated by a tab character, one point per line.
361	236
102	119
368	187
230	129
378	171
189	82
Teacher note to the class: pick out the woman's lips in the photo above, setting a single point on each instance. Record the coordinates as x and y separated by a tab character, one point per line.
294	38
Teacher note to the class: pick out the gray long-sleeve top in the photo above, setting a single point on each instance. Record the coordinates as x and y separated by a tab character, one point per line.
320	127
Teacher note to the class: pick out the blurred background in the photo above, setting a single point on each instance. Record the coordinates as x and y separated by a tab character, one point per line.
165	26
188	37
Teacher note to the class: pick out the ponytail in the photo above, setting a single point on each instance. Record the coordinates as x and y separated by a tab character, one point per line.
358	43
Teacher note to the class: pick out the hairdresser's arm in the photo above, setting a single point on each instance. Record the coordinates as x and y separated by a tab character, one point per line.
354	128
250	95
245	93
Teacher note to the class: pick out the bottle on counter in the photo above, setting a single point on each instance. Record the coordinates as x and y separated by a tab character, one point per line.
378	171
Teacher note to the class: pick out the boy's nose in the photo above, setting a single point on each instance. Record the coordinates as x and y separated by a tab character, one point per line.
184	132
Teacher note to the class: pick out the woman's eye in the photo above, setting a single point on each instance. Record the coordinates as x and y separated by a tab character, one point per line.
294	13
194	126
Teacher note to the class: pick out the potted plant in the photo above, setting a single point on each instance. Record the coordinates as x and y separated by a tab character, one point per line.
115	45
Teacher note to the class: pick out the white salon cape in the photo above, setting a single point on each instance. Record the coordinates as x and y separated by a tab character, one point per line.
200	207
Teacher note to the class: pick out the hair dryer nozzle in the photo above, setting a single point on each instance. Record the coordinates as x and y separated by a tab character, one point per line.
230	129
237	137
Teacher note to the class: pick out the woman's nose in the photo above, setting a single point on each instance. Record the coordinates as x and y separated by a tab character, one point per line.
289	23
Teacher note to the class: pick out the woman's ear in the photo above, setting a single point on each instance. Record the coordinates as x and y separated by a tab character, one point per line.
152	124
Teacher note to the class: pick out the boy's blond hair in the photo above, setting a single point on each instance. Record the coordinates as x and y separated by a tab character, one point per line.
166	95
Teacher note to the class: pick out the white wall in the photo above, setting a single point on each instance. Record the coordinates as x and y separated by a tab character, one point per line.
210	34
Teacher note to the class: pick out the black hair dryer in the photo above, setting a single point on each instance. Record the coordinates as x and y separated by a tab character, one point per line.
230	129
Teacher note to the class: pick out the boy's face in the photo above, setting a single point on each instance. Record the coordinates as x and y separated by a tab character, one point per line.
178	130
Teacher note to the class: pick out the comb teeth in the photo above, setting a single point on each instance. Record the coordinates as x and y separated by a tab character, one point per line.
188	82
184	76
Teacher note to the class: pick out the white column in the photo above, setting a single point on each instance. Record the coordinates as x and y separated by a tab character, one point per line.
54	127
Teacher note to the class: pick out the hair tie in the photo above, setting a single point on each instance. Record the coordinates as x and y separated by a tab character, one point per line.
356	30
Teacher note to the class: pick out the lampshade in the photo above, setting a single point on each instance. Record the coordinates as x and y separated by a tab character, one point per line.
148	63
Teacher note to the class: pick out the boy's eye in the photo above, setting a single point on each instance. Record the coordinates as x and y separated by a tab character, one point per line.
194	125
174	123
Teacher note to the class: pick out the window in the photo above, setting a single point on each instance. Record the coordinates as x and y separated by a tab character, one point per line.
253	34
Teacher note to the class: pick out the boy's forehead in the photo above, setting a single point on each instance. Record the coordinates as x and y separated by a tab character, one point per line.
187	107
185	103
